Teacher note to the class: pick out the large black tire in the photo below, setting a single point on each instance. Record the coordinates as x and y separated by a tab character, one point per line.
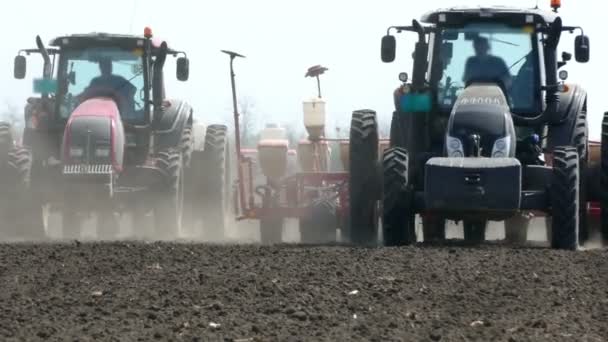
397	138
475	231
364	184
216	201
433	229
564	197
169	196
320	226
18	204
187	145
581	142
193	170
30	223
604	181
399	216
516	229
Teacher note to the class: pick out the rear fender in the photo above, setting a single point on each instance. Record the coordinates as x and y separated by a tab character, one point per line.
561	132
177	116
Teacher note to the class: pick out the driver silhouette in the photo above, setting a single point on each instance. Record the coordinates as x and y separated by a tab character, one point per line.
109	80
116	83
485	66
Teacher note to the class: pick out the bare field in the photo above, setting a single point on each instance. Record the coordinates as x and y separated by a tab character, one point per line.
245	292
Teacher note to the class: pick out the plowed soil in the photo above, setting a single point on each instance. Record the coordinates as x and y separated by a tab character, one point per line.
195	292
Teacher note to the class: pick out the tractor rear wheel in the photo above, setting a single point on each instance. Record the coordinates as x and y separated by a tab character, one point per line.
581	143
604	181
564	197
170	196
217	182
187	145
30	221
364	185
399	216
320	226
475	231
396	132
193	169
19	207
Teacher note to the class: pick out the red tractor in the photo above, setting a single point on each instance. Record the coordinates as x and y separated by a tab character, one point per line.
103	139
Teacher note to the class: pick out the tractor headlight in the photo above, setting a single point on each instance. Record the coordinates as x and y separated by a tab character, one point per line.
102	152
502	147
454	147
76	152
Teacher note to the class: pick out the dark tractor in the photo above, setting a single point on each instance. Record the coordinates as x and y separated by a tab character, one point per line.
103	139
485	131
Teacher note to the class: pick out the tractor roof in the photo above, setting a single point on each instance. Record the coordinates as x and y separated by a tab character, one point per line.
97	38
464	14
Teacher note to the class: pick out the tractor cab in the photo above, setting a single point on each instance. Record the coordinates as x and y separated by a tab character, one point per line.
99	78
469	63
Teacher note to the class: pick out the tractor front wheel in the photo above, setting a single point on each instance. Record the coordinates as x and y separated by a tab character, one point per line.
564	197
399	217
364	184
170	196
216	202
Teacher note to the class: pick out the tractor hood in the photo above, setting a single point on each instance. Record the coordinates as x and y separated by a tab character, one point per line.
93	140
482	110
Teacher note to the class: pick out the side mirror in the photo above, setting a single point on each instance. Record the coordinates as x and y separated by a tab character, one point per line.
581	49
20	67
387	50
183	69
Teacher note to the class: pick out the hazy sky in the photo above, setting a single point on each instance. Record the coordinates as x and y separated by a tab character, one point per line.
281	40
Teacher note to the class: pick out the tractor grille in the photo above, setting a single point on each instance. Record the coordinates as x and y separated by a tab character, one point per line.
83	169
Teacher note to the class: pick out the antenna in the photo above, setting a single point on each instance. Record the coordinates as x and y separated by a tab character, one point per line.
536	5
